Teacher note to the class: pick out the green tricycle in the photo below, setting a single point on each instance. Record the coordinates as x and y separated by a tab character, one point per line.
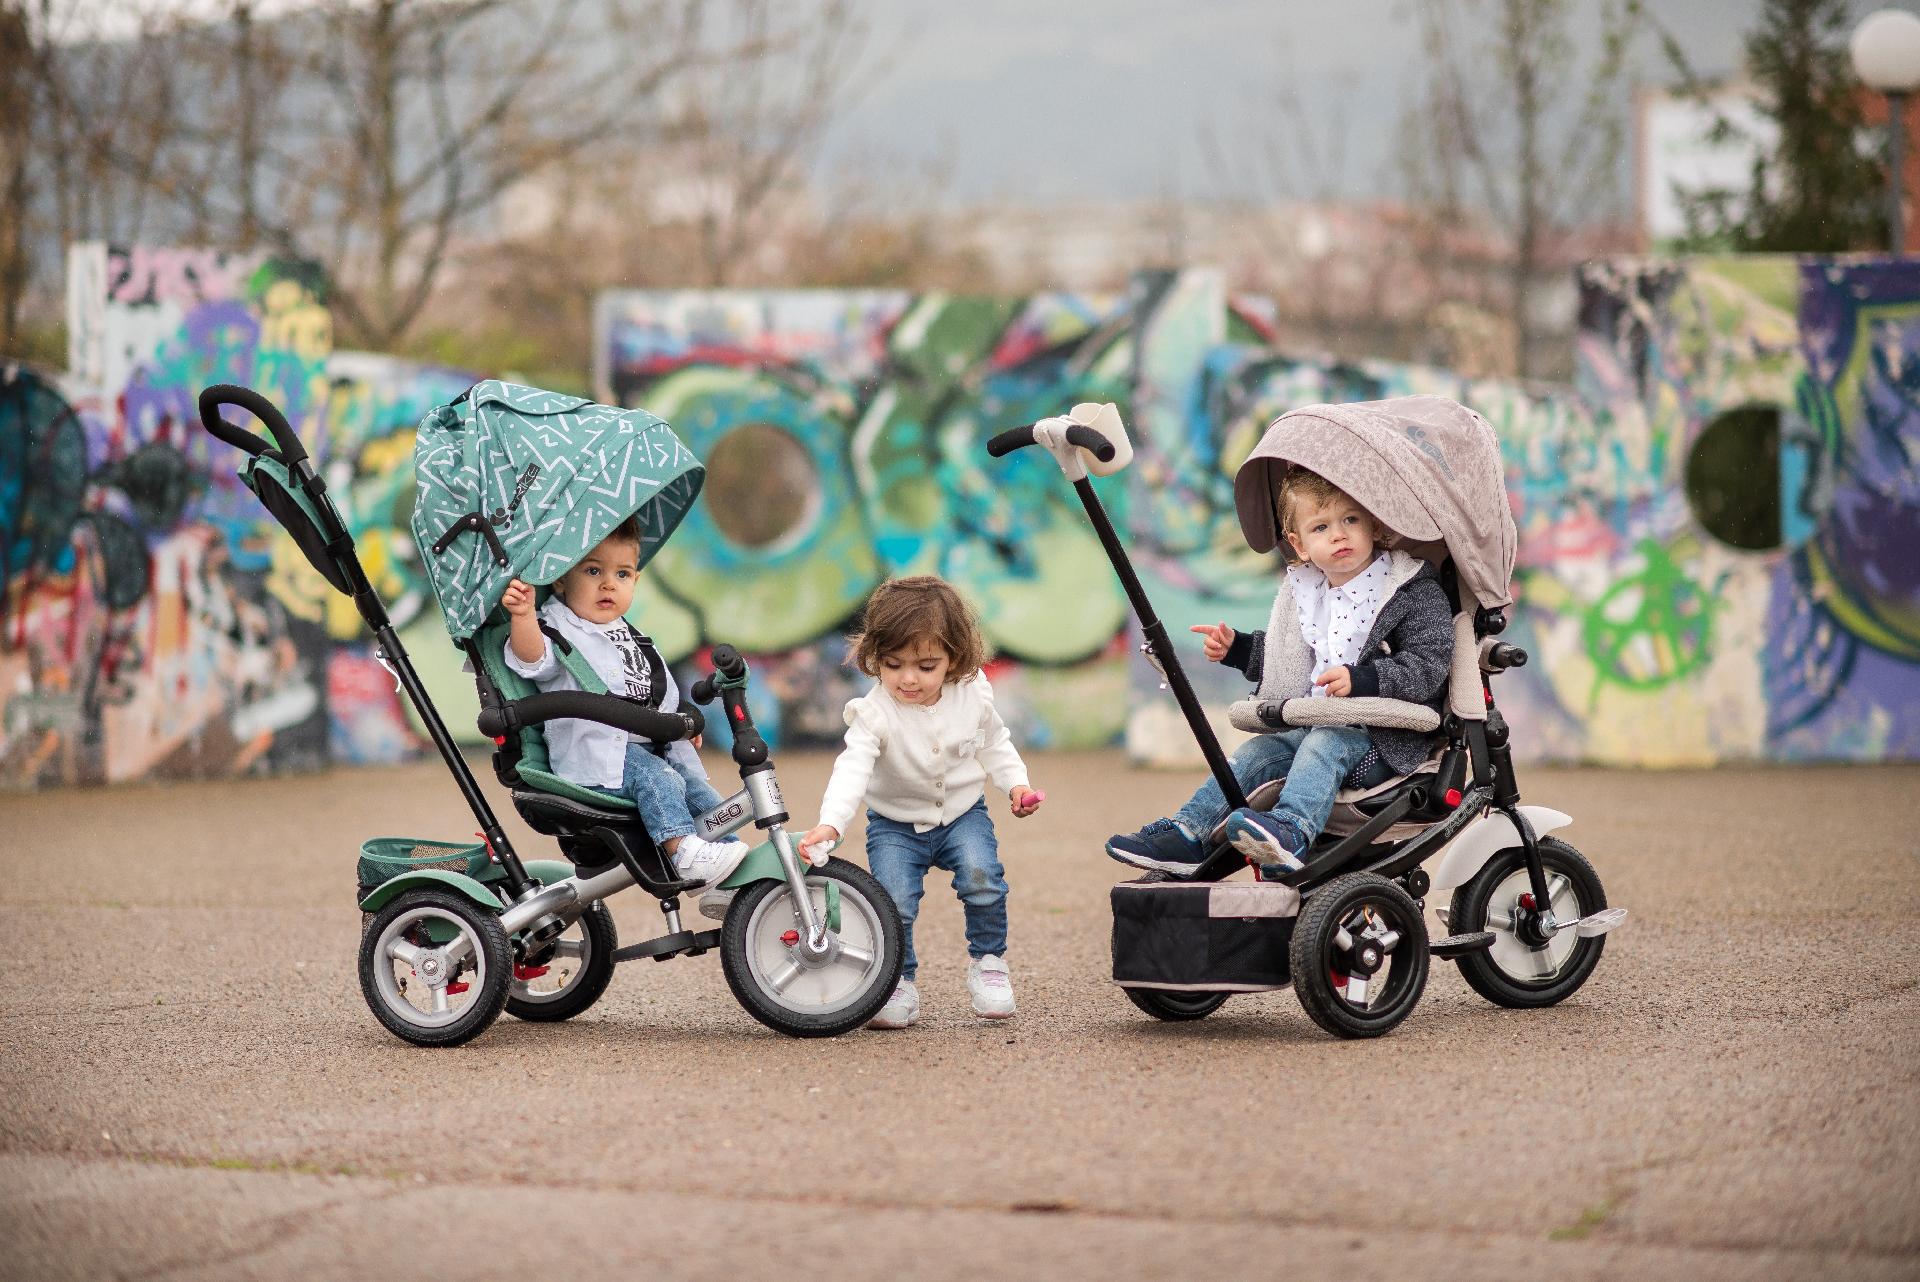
515	482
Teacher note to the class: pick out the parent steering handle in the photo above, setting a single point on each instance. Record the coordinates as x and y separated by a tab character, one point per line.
606	709
1015	438
292	453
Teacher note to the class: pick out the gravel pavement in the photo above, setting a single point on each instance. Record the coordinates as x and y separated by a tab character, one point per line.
193	1087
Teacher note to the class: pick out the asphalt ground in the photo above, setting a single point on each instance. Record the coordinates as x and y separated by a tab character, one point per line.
193	1086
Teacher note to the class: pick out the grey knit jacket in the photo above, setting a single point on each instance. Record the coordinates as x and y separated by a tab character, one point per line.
1409	653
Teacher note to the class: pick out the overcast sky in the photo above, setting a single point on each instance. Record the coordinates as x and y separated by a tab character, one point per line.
1049	98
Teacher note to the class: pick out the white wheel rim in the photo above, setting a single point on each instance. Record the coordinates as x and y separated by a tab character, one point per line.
780	974
566	967
399	964
1513	955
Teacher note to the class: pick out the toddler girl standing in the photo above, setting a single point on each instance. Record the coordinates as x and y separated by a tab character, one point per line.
920	746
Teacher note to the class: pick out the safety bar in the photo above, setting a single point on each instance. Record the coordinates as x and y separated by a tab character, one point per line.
606	709
1264	716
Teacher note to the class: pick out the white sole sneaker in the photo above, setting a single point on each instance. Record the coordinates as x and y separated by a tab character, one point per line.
715	902
710	862
991	988
902	1009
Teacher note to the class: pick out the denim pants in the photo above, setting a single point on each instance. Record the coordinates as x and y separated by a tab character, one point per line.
667	793
1314	762
900	858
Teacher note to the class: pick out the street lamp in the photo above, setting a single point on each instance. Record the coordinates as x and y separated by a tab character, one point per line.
1886	56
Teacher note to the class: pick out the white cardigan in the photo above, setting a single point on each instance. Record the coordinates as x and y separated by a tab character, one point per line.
921	764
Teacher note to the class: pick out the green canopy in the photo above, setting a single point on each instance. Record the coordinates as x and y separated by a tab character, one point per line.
515	482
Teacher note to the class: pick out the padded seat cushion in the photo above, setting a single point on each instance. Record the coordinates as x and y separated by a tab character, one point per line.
534	769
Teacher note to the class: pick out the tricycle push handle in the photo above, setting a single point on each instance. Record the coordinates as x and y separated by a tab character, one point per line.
1016	438
292	453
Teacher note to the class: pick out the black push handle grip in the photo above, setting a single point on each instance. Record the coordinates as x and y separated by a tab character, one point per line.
1017	438
703	690
291	451
606	709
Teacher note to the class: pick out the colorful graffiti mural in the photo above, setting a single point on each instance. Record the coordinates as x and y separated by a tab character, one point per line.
155	623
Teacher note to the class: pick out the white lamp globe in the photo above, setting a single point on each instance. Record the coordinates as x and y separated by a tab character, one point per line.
1886	51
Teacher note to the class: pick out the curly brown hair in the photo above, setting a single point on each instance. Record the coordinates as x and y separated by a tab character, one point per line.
920	607
1299	486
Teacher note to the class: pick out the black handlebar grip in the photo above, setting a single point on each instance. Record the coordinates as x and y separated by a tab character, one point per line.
1014	438
728	663
703	690
605	709
1088	439
211	399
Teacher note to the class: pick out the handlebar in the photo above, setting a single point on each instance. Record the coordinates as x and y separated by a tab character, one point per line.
1016	438
606	709
291	451
728	668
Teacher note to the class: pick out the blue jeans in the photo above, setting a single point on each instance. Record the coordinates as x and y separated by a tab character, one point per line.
667	793
1314	762
900	858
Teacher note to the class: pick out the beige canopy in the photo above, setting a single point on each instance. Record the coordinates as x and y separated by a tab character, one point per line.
1428	467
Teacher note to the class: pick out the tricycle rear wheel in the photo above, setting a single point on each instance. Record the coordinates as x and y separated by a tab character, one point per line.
583	958
1349	925
434	967
1174	1007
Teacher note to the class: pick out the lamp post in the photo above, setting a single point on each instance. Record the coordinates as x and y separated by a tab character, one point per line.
1886	57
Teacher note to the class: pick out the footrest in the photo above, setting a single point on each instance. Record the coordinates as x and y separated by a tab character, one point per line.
1454	945
692	943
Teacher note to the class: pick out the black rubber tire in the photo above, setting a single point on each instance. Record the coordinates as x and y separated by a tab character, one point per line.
589	985
1176	1008
1469	913
1312	951
487	1002
733	954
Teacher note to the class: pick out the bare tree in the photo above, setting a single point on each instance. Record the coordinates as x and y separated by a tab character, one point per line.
90	92
745	133
1517	127
1333	274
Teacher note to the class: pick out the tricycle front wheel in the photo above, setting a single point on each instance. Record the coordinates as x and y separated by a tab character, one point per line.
784	989
434	967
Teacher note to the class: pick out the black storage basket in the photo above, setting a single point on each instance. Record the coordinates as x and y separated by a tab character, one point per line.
1227	936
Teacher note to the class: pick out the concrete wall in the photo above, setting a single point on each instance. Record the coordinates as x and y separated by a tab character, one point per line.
156	623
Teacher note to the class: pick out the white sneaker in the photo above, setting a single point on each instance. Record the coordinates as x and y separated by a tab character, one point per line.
902	1009
715	902
991	987
707	861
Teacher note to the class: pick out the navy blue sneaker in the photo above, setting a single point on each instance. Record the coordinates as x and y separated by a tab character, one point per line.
1161	846
1266	839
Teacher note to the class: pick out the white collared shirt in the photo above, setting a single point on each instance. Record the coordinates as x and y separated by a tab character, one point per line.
586	752
1336	621
921	764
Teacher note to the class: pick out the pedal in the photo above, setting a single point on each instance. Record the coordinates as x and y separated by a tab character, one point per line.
658	949
1599	923
702	941
1460	945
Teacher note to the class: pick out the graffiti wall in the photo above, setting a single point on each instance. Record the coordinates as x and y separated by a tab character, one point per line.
1716	521
154	622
